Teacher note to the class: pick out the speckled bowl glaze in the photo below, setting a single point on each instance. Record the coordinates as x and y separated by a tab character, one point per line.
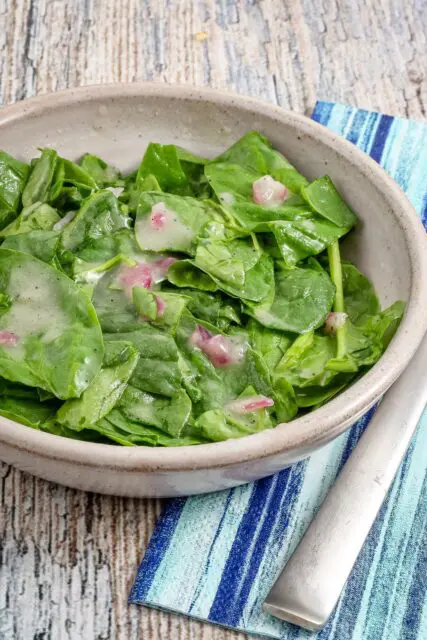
389	246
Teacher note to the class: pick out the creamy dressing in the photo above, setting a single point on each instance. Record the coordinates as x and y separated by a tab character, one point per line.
227	198
36	306
162	229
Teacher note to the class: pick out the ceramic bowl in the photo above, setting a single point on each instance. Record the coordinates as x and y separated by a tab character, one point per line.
389	246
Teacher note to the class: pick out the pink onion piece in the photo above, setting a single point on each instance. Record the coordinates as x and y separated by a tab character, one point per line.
8	338
144	274
138	276
159	268
250	404
161	306
269	192
221	350
199	336
335	320
158	216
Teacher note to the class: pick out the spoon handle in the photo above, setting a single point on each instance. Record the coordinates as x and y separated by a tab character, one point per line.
310	585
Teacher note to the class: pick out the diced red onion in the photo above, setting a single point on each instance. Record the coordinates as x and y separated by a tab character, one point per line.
199	336
144	274
158	216
8	338
221	350
138	276
250	404
160	306
335	320
268	191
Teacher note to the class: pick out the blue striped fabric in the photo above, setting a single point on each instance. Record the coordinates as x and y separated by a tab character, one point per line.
215	557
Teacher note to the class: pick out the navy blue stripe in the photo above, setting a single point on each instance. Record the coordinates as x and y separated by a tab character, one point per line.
227	588
322	112
157	548
356	126
232	593
277	527
354	436
380	139
424	210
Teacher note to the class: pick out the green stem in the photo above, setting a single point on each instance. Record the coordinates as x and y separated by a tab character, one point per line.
336	276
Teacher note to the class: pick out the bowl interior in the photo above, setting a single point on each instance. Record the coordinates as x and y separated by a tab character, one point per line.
118	129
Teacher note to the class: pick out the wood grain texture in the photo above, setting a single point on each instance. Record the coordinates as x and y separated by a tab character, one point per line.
67	558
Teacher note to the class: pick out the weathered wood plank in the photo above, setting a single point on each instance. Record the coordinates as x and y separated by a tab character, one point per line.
67	558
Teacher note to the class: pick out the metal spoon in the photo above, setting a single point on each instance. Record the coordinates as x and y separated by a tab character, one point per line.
310	585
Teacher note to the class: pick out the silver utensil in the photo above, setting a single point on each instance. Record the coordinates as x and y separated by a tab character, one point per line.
310	585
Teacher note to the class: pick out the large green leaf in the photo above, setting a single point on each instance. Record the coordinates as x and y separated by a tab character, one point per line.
107	388
51	335
13	176
302	300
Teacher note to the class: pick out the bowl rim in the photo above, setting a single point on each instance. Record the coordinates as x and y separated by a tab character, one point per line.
301	434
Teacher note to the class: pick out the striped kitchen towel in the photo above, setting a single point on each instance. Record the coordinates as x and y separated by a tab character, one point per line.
215	557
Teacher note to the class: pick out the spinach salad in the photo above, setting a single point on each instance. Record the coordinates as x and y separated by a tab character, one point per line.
191	301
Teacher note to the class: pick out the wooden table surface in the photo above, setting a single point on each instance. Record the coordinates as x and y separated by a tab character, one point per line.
67	558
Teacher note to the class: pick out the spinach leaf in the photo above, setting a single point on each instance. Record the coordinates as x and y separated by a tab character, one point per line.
300	238
40	180
323	198
304	363
174	169
271	344
26	411
120	429
98	217
158	368
163	309
52	338
285	400
184	273
13	176
78	177
36	217
40	244
237	268
213	308
217	424
302	300
162	162
105	391
254	152
168	414
169	222
360	299
103	174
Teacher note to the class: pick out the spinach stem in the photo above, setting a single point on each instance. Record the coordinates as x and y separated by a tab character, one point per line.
336	276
